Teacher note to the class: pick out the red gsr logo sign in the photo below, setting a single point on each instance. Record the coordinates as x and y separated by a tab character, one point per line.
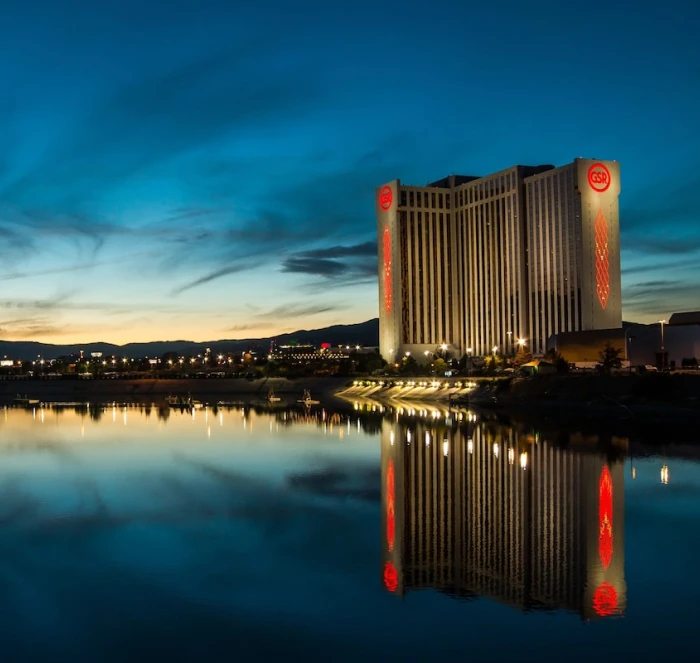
599	177
385	198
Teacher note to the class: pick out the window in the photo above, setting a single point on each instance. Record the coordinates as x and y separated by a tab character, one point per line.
411	201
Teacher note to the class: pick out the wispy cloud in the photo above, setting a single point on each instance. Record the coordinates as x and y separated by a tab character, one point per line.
295	311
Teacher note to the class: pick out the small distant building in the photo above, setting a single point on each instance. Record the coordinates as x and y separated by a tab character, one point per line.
683	319
539	367
669	345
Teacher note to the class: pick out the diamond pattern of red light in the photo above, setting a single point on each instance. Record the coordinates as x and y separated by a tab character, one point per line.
387	270
605	518
602	262
391	577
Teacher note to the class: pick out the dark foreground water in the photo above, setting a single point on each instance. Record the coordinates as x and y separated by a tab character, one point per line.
232	535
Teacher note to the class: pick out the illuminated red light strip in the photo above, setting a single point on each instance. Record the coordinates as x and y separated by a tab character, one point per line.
387	271
602	262
390	519
605	518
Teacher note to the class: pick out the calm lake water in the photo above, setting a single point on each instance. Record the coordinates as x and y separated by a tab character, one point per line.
231	535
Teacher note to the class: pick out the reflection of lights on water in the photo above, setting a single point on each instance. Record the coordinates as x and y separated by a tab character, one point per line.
221	418
664	474
125	416
470	446
114	413
42	415
427	439
495	449
408	436
34	413
445	448
358	426
523	460
511	456
634	472
391	438
209	432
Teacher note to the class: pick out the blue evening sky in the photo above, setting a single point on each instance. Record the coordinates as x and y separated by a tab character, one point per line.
206	169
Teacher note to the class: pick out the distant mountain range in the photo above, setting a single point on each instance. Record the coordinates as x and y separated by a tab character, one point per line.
364	333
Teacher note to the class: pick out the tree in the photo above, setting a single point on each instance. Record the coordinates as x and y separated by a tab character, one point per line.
558	360
409	366
440	367
610	358
522	356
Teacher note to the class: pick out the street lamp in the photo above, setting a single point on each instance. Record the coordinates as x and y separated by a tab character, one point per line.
495	349
663	354
629	351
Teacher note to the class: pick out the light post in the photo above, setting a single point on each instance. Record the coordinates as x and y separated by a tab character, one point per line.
663	354
629	351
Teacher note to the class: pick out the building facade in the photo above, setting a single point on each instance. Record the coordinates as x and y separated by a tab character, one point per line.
486	513
477	263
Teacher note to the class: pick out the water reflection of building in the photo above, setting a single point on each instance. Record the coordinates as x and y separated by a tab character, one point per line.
489	513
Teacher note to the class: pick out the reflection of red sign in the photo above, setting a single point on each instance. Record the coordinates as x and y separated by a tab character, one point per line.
386	197
602	262
599	177
390	520
605	600
387	270
605	518
391	577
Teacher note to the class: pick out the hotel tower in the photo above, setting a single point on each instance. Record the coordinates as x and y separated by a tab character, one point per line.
479	262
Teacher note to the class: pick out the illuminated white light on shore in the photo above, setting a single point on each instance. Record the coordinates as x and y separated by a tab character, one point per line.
523	460
470	446
445	448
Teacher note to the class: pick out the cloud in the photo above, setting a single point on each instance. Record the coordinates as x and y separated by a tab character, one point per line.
662	266
295	311
654	244
657	298
359	264
163	116
245	327
207	278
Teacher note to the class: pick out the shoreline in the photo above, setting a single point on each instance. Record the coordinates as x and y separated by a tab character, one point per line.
156	390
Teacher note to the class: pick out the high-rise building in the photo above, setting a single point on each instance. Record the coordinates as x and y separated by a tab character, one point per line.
479	262
486	513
